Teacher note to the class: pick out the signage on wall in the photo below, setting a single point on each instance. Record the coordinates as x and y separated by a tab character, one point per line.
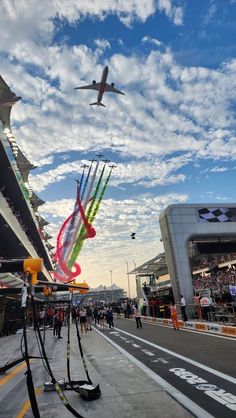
217	214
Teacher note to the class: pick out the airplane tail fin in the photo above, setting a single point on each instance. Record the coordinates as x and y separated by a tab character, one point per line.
97	104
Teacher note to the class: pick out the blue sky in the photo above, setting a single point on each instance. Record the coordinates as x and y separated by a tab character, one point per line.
172	135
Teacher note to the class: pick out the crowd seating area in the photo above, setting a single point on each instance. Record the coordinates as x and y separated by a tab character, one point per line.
211	260
216	281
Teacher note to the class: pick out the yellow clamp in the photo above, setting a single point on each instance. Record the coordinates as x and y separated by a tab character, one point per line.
47	290
33	266
83	288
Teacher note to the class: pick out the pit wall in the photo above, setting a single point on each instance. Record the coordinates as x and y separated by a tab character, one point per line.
208	327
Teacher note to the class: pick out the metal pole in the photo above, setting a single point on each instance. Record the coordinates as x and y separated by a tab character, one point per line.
128	277
111	287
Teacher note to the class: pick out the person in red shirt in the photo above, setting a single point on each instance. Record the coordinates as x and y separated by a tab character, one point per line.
173	314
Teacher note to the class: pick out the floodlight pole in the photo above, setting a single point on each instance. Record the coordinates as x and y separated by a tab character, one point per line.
111	287
128	277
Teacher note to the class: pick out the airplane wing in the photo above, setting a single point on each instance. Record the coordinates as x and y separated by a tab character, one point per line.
94	86
112	89
7	96
3	86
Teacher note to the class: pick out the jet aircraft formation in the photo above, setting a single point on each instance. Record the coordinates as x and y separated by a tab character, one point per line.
101	87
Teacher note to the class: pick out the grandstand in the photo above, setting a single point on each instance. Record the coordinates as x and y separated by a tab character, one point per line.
21	227
214	274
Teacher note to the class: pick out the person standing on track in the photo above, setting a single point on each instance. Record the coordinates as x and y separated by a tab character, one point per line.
183	306
83	320
55	324
101	313
110	317
60	319
89	317
173	314
137	315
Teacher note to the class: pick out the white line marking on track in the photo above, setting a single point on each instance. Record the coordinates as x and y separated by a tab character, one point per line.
136	345
188	360
149	353
196	410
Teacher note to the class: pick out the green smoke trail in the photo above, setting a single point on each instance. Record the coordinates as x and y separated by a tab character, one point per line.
82	233
91	219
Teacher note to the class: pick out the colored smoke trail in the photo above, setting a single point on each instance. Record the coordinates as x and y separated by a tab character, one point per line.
81	236
78	226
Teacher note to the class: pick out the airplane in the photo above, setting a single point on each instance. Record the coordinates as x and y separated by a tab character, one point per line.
7	97
101	87
100	155
133	235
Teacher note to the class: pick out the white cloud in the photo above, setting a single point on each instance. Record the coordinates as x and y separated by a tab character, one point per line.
167	108
102	44
35	20
210	12
219	169
173	12
151	40
143	173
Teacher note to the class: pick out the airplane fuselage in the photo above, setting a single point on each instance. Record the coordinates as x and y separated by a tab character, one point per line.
100	88
103	84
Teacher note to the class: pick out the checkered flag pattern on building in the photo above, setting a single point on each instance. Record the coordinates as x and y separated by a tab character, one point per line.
217	214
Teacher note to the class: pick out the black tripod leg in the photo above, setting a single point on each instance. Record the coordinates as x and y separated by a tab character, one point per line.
68	350
29	379
81	351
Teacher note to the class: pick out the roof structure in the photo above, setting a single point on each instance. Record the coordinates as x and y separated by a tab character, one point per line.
10	280
102	288
156	266
36	201
24	165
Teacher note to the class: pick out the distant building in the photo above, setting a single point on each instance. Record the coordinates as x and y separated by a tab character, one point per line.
105	294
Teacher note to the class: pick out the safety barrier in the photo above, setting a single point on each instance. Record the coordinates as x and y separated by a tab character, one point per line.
197	326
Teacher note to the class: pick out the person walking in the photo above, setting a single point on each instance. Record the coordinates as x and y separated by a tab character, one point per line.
118	312
95	315
89	310
60	319
173	314
205	306
83	320
183	306
55	324
145	305
137	315
110	317
101	315
197	306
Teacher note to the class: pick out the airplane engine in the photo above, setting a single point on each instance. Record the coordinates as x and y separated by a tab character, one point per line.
94	81
112	84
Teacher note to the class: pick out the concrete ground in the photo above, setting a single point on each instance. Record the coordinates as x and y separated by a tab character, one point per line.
126	390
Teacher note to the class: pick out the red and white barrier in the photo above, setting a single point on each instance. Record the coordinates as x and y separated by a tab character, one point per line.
213	328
